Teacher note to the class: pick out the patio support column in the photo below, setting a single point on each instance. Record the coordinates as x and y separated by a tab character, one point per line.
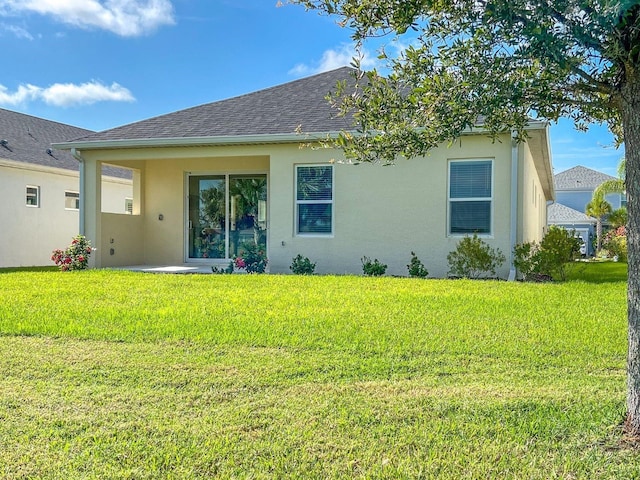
91	206
138	199
513	217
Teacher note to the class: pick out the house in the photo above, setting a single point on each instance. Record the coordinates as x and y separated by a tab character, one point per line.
574	189
211	179
571	219
39	189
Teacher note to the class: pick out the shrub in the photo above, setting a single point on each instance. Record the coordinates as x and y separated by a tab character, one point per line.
252	259
551	258
75	257
227	269
559	249
416	267
526	259
473	258
302	265
373	269
616	242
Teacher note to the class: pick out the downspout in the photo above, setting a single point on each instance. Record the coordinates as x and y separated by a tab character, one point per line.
77	156
513	234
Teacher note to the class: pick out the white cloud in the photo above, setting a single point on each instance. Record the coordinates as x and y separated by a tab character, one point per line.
335	58
18	31
66	94
22	95
122	17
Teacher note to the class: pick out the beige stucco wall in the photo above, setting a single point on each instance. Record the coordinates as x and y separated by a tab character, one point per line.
28	234
114	193
123	239
380	212
386	212
532	202
166	238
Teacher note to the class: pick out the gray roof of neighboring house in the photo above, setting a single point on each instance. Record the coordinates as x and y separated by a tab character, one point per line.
283	109
28	138
580	178
558	213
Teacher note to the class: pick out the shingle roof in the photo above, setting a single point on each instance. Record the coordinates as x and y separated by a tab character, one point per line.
29	138
282	109
580	178
558	213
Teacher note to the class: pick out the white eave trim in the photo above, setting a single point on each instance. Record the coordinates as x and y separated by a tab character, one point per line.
195	141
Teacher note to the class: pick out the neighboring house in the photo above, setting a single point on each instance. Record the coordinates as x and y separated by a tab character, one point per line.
39	189
574	189
211	178
567	217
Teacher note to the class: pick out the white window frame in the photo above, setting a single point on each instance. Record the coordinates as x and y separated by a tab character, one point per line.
77	198
37	196
309	202
490	199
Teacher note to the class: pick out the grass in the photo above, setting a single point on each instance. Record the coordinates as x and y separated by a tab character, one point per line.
598	272
130	375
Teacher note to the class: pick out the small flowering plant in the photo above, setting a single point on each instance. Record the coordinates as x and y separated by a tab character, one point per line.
75	257
252	259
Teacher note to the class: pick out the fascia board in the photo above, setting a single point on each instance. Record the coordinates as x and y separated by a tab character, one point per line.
194	141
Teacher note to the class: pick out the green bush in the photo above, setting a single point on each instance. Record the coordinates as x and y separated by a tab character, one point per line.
526	259
373	268
552	257
228	269
473	258
302	265
253	259
416	267
558	250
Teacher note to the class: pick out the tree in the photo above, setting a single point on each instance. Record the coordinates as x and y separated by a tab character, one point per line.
501	61
618	217
598	208
616	185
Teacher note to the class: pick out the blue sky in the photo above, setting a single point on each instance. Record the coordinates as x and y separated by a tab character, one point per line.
98	64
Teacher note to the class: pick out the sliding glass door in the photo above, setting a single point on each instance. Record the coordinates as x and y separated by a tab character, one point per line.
227	214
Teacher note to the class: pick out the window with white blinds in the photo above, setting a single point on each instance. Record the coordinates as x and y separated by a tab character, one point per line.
314	199
470	196
33	196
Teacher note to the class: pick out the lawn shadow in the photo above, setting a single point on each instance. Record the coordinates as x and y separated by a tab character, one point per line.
598	272
28	269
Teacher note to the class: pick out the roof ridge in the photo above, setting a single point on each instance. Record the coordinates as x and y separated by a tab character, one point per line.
257	93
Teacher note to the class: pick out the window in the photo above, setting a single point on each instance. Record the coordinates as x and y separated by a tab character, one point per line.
470	196
128	206
71	200
227	215
33	196
314	199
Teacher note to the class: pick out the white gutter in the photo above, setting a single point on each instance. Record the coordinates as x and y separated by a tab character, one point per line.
195	141
514	203
77	156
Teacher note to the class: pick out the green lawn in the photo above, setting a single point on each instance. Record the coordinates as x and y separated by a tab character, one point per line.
129	375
